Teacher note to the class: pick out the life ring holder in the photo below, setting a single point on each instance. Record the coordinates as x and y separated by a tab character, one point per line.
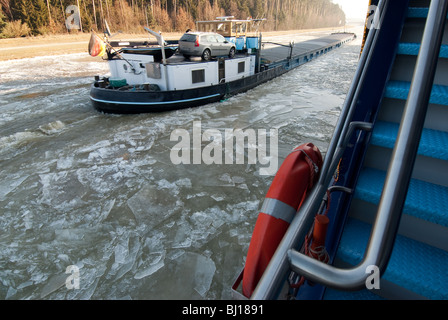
295	178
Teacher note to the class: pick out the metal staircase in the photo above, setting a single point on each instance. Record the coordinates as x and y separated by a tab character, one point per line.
390	205
417	267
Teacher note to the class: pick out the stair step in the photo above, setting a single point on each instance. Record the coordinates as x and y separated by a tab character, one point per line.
418	12
414	12
400	90
432	143
332	294
424	200
412	49
414	266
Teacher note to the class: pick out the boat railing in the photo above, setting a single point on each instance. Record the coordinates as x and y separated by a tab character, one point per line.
399	173
272	280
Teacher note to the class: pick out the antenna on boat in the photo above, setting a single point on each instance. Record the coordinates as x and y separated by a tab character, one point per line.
160	40
107	31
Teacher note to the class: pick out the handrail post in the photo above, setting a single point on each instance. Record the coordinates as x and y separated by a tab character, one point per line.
399	173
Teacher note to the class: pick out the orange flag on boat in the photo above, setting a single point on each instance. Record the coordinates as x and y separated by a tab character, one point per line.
97	47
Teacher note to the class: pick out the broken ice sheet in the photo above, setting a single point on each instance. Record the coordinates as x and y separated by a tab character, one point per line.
126	252
149	270
152	206
217	198
197	272
153	256
182	238
186	276
106	209
8	184
152	264
173	255
204	271
65	163
226	178
53	284
122	251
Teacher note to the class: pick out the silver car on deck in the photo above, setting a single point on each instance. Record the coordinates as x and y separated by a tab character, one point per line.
205	45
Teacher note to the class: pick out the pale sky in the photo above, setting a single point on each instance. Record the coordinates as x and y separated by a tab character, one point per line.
354	8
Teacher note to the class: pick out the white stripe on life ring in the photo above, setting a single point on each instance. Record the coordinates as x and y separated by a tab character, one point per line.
278	209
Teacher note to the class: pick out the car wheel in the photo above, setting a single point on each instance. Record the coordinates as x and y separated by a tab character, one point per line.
232	53
206	55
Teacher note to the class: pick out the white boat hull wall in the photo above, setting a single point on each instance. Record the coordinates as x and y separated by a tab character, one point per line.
179	75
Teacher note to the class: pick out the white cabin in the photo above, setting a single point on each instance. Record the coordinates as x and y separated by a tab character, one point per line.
140	69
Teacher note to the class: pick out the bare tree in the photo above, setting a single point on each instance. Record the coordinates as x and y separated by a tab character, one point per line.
102	14
7	8
49	13
94	13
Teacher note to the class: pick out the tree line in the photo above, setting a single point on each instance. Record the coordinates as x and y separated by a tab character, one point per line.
35	17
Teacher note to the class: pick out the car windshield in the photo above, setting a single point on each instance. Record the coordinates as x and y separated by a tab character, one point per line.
188	37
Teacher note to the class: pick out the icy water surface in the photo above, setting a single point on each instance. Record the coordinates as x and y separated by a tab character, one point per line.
98	194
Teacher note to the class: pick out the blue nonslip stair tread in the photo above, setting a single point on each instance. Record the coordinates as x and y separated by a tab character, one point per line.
416	12
332	294
412	49
413	265
400	90
433	143
424	200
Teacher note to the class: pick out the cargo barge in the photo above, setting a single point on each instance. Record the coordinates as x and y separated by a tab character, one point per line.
155	77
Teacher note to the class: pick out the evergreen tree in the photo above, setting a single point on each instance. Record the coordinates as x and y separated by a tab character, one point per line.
2	19
130	15
32	12
257	10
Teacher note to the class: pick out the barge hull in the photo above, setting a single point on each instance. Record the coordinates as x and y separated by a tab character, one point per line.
117	101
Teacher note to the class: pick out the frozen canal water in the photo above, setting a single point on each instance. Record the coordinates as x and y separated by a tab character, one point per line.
98	194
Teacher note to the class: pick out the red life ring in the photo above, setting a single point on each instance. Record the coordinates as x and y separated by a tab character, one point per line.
296	176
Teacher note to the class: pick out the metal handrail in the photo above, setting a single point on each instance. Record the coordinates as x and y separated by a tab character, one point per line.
342	127
272	280
385	228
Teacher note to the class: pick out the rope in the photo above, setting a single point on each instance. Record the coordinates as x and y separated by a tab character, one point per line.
314	168
320	253
336	174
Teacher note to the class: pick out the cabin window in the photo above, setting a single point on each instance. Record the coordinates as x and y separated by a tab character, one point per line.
241	67
198	76
153	70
